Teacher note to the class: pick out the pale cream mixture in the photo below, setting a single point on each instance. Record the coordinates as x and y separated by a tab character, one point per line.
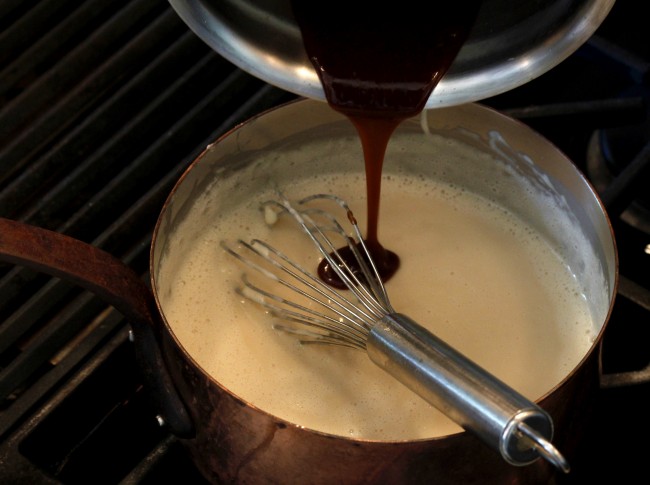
472	273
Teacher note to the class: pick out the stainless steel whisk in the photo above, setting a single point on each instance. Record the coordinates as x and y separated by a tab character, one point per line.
364	319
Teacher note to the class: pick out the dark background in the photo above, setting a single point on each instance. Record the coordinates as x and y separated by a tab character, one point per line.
103	104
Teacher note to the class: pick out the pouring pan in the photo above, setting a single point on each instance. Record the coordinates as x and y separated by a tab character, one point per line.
510	44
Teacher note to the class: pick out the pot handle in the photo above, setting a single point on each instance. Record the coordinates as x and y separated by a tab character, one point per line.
636	294
115	283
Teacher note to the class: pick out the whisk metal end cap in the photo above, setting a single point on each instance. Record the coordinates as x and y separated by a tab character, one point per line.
519	448
527	437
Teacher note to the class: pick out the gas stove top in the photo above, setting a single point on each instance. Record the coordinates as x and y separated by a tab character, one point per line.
102	107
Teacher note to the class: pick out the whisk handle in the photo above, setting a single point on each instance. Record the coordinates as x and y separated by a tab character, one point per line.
479	402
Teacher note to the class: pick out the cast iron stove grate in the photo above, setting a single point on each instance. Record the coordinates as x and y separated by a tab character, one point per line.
103	104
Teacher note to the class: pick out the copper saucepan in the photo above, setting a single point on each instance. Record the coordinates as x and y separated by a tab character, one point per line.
232	441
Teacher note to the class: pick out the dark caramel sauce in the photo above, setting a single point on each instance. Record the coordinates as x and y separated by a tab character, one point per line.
386	262
378	63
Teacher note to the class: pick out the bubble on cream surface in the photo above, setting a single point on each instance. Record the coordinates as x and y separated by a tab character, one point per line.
472	272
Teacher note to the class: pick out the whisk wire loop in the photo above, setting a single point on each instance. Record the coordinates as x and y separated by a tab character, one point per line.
351	322
370	293
378	290
280	261
338	264
274	304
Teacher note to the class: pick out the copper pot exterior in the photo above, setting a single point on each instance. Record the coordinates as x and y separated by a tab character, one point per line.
238	443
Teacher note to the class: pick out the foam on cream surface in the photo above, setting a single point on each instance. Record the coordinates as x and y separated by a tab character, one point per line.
476	276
